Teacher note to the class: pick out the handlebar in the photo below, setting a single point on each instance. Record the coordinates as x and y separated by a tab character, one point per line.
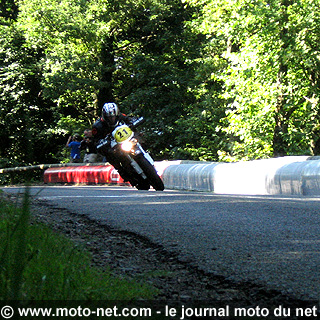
137	122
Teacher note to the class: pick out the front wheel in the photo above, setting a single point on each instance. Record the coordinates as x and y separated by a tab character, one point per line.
151	173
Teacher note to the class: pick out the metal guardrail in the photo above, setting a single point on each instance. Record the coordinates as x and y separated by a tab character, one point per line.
291	175
47	166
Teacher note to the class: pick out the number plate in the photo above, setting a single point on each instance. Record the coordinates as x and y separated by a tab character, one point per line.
122	133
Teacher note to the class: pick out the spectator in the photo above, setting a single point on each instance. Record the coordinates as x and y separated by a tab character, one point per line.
75	148
89	146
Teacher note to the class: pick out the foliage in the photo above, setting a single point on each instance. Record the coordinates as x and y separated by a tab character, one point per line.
215	79
93	51
25	116
272	58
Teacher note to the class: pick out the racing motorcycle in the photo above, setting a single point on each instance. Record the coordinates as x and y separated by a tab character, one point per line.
133	163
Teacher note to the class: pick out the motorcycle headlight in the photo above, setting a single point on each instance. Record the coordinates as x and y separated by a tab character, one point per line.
126	146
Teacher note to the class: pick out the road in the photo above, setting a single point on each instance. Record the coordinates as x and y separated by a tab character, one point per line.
269	240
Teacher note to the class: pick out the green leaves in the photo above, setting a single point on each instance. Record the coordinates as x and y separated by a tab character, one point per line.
267	82
222	79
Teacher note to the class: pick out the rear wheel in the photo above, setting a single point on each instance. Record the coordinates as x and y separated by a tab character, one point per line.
151	173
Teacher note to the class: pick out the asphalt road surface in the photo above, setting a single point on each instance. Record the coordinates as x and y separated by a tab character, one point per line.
269	240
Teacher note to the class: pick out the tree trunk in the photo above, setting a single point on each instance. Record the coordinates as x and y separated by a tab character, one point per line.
105	93
282	113
279	142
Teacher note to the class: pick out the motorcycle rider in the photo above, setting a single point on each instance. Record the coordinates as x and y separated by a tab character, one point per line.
110	118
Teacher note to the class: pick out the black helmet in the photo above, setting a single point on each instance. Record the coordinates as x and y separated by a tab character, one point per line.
110	113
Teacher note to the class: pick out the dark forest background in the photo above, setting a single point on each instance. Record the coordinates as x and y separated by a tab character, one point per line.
216	80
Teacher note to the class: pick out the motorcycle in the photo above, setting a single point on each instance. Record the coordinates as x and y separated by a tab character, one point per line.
132	162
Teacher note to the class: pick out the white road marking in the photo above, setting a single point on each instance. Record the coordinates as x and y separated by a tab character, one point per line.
90	197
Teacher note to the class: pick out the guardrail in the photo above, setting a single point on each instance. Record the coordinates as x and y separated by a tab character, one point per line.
46	166
93	173
12	171
292	175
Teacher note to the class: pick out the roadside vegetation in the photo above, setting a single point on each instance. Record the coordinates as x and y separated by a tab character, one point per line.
38	264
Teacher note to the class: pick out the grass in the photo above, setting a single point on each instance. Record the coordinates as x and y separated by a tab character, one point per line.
38	264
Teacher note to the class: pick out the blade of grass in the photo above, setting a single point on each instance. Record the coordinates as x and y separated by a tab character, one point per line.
19	256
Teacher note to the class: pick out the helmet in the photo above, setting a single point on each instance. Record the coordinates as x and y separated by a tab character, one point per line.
110	113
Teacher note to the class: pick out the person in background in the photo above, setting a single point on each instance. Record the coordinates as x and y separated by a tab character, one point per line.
74	143
89	146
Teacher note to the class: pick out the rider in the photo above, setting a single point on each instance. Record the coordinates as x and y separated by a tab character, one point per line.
110	118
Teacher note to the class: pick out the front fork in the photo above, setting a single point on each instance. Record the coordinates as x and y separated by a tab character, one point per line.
137	168
138	151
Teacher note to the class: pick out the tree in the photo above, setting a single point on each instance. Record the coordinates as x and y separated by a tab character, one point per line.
271	55
134	52
8	9
25	117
